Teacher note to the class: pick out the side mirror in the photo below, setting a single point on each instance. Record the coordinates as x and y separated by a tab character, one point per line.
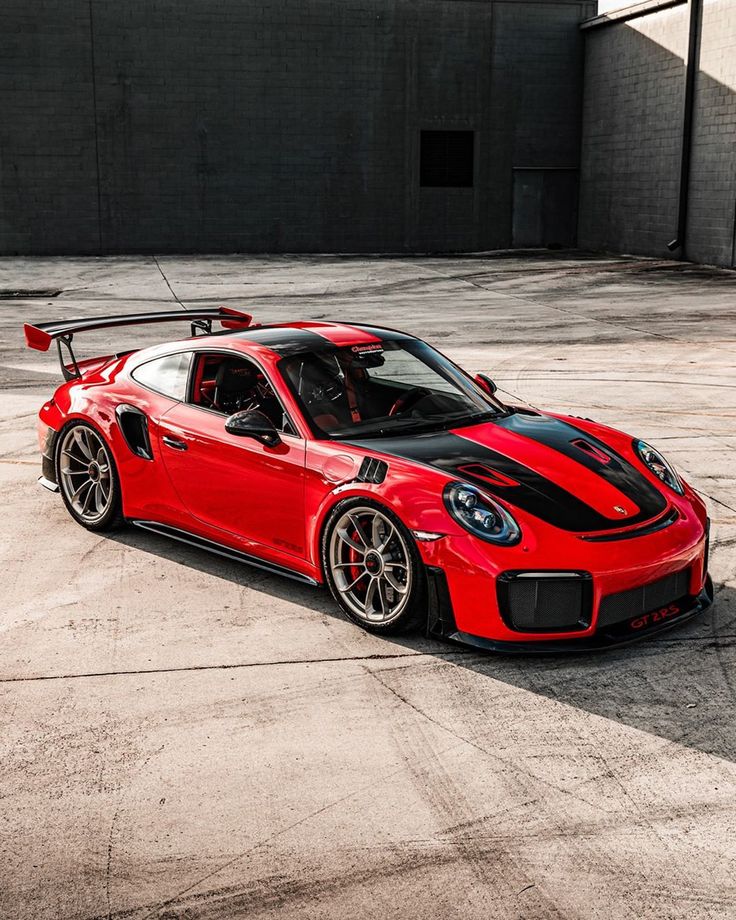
485	383
250	423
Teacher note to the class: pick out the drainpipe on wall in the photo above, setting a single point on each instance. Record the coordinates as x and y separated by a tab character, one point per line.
691	72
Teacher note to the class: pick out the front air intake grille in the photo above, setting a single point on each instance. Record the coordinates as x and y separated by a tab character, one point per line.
372	470
627	605
545	601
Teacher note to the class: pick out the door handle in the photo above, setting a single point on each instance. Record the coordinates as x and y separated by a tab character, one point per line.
174	443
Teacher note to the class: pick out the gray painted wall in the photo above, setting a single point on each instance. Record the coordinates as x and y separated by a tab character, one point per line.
632	135
282	125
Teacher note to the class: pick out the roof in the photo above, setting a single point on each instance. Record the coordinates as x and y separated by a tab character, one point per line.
293	338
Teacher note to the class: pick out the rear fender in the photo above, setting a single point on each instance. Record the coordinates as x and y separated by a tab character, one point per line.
142	481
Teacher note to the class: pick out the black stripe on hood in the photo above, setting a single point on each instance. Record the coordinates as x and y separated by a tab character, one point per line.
561	436
534	493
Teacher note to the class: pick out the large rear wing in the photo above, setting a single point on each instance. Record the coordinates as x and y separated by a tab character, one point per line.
41	335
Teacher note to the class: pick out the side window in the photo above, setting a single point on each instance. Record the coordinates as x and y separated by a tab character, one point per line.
229	384
167	375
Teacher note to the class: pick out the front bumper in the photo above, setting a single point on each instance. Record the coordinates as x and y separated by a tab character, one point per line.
468	604
441	625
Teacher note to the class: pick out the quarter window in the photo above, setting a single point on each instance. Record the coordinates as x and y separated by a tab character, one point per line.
167	375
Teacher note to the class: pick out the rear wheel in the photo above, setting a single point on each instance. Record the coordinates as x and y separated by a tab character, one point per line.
373	568
88	479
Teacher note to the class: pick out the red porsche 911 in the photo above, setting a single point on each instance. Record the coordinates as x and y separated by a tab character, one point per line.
361	458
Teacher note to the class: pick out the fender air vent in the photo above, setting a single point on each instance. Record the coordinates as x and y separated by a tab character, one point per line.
372	470
134	427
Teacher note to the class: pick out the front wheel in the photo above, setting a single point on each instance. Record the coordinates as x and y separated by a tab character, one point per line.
373	568
87	477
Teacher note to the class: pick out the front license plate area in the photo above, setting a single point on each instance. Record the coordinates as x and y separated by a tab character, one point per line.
656	616
650	621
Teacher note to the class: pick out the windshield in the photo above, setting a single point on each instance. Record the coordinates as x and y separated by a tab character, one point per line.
383	388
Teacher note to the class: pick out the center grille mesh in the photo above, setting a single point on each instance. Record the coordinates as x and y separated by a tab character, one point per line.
637	601
552	603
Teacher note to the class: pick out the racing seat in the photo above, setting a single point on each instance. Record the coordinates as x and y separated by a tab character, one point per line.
241	385
320	385
235	385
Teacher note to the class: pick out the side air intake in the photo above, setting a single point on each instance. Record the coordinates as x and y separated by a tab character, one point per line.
372	470
134	427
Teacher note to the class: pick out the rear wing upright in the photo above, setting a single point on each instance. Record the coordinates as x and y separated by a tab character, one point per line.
41	335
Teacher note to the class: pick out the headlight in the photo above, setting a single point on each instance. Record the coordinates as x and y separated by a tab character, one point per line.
659	466
480	515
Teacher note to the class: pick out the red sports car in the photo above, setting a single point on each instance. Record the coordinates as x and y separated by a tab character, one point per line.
362	458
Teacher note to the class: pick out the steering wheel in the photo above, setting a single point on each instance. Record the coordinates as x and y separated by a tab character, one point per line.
408	400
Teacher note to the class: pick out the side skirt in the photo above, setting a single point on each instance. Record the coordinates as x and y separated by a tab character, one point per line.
165	530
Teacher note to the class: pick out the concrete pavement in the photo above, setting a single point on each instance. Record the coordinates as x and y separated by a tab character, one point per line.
183	737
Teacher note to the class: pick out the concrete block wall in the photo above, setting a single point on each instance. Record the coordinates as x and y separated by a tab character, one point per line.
48	188
283	125
536	80
712	208
634	91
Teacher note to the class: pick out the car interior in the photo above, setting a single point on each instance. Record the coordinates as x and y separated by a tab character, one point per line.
339	390
229	384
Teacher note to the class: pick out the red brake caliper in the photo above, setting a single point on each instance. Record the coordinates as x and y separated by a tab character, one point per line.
355	556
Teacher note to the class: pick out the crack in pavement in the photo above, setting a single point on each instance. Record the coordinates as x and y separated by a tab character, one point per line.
218	667
719	642
168	285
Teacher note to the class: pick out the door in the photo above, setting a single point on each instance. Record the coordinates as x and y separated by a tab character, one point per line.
235	483
545	207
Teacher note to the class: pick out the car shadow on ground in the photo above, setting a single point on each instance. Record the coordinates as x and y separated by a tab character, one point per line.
281	587
680	685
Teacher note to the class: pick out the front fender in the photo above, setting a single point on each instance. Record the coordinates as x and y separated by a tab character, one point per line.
411	492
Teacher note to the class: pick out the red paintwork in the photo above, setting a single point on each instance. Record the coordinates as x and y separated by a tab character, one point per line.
36	338
273	502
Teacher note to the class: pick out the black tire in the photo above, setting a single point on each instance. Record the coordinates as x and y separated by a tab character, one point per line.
70	476
412	605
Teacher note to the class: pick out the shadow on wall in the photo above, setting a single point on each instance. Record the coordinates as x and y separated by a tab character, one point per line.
632	141
678	686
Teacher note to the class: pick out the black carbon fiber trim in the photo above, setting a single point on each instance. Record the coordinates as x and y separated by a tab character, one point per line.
221	549
285	340
613	637
659	524
372	470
